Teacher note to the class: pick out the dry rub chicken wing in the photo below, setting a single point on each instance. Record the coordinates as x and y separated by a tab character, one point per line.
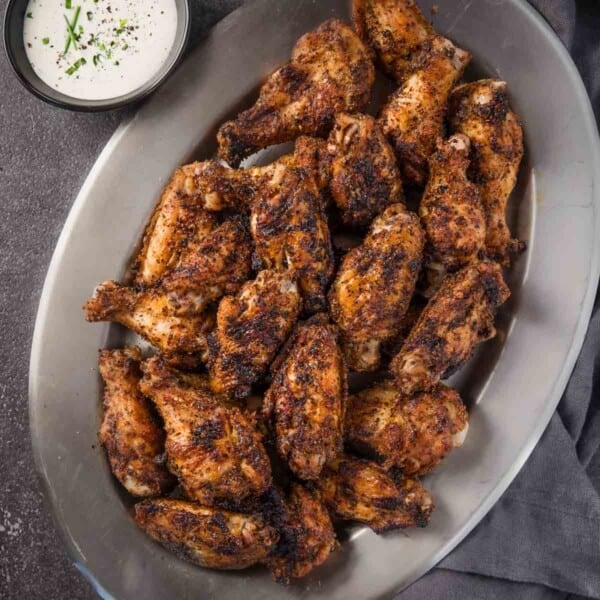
413	433
365	178
134	442
330	71
307	399
481	110
209	537
212	447
459	316
251	327
360	490
374	285
451	209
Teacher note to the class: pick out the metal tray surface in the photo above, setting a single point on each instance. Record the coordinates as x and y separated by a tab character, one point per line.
512	385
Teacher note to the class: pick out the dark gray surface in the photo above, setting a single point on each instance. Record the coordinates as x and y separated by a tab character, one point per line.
45	155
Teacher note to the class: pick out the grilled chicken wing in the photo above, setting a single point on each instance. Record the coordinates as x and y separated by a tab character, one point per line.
413	433
209	537
307	399
481	110
458	317
213	448
374	284
250	329
413	116
133	440
365	178
306	537
398	33
330	71
360	490
451	210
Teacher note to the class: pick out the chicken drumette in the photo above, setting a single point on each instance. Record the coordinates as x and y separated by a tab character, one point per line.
413	433
365	178
209	537
212	447
458	317
307	399
481	110
133	440
330	71
374	284
451	210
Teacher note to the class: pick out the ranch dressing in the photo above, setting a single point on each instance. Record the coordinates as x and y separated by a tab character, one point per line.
98	49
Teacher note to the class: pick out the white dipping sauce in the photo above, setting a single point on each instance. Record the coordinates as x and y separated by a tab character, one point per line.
115	45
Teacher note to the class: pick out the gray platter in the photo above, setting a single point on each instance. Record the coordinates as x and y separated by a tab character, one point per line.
512	385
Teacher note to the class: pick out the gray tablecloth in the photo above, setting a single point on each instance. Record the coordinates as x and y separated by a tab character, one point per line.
542	539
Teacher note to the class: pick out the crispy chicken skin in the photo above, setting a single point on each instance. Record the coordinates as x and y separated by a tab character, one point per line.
365	178
374	285
451	209
360	490
307	399
133	440
481	110
413	116
209	537
212	447
251	327
413	433
459	316
330	71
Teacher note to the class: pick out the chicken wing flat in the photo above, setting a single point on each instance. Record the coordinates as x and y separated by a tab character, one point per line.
365	178
250	329
134	442
481	110
413	433
307	399
330	71
360	490
374	284
459	316
209	537
451	209
212	447
413	116
306	537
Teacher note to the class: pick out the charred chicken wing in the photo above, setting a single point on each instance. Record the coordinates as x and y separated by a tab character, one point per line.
374	285
209	537
458	317
213	448
413	433
481	110
330	71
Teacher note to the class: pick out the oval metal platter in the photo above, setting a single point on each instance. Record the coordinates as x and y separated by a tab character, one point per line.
512	385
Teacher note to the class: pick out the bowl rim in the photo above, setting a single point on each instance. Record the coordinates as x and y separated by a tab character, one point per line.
89	106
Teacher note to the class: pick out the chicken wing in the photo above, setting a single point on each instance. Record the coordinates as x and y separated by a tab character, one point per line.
360	490
250	329
459	316
413	433
413	116
451	210
365	178
209	537
133	440
374	284
212	447
481	110
330	71
307	399
306	537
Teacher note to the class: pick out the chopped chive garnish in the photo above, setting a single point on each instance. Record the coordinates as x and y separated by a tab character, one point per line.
125	46
78	63
96	59
29	15
89	14
67	3
122	23
72	37
116	63
45	41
